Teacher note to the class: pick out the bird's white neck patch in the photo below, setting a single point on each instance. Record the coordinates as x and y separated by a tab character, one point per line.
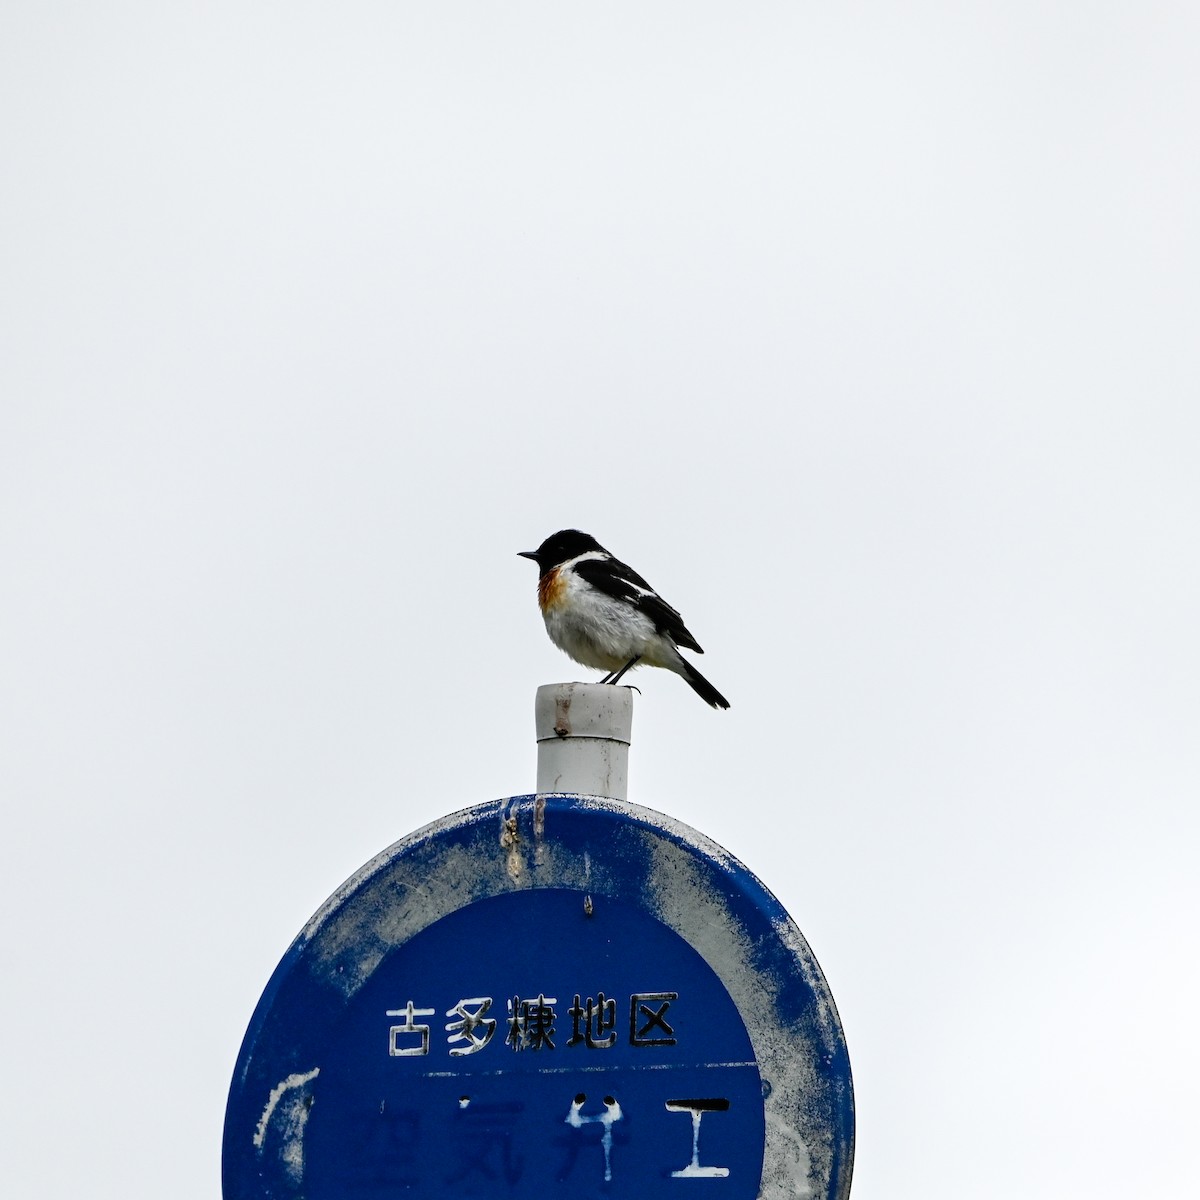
583	558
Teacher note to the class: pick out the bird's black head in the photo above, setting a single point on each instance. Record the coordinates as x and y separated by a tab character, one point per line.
561	546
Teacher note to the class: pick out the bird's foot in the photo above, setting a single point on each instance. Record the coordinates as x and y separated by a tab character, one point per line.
616	678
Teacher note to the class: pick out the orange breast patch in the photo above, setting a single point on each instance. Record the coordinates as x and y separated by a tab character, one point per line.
552	589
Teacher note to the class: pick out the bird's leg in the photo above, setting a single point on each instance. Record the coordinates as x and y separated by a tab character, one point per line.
616	678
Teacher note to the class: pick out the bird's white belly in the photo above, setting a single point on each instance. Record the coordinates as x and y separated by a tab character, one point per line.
598	631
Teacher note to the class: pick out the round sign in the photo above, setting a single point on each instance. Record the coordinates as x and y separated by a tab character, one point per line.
547	996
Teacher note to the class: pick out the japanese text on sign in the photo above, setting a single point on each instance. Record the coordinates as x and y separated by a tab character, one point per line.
533	1024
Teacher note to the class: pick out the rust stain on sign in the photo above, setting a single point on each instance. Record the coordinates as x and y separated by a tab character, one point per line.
510	840
539	830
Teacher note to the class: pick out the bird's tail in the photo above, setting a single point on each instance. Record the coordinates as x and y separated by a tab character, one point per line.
701	686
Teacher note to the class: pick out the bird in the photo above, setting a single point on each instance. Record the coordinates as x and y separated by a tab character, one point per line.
603	614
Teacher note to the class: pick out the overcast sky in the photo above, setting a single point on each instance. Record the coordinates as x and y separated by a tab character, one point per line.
867	332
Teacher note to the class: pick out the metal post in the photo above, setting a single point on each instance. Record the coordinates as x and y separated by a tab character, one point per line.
583	738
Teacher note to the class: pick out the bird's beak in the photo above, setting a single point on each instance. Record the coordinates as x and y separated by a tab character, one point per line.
527	554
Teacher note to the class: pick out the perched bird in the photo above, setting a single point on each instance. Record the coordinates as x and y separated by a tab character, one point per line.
605	615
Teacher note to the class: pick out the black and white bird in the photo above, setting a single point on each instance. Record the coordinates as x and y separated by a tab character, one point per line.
605	615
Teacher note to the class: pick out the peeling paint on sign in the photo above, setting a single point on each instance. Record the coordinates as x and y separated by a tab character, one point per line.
284	1117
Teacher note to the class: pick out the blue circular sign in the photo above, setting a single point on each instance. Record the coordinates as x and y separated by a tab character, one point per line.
550	996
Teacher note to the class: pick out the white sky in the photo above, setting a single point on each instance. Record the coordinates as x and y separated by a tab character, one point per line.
867	332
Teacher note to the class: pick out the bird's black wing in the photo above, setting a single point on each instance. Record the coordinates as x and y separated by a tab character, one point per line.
614	578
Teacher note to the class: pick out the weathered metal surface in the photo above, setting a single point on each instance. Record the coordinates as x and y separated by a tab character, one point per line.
542	997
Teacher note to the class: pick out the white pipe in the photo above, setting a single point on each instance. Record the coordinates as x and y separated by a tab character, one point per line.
583	738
